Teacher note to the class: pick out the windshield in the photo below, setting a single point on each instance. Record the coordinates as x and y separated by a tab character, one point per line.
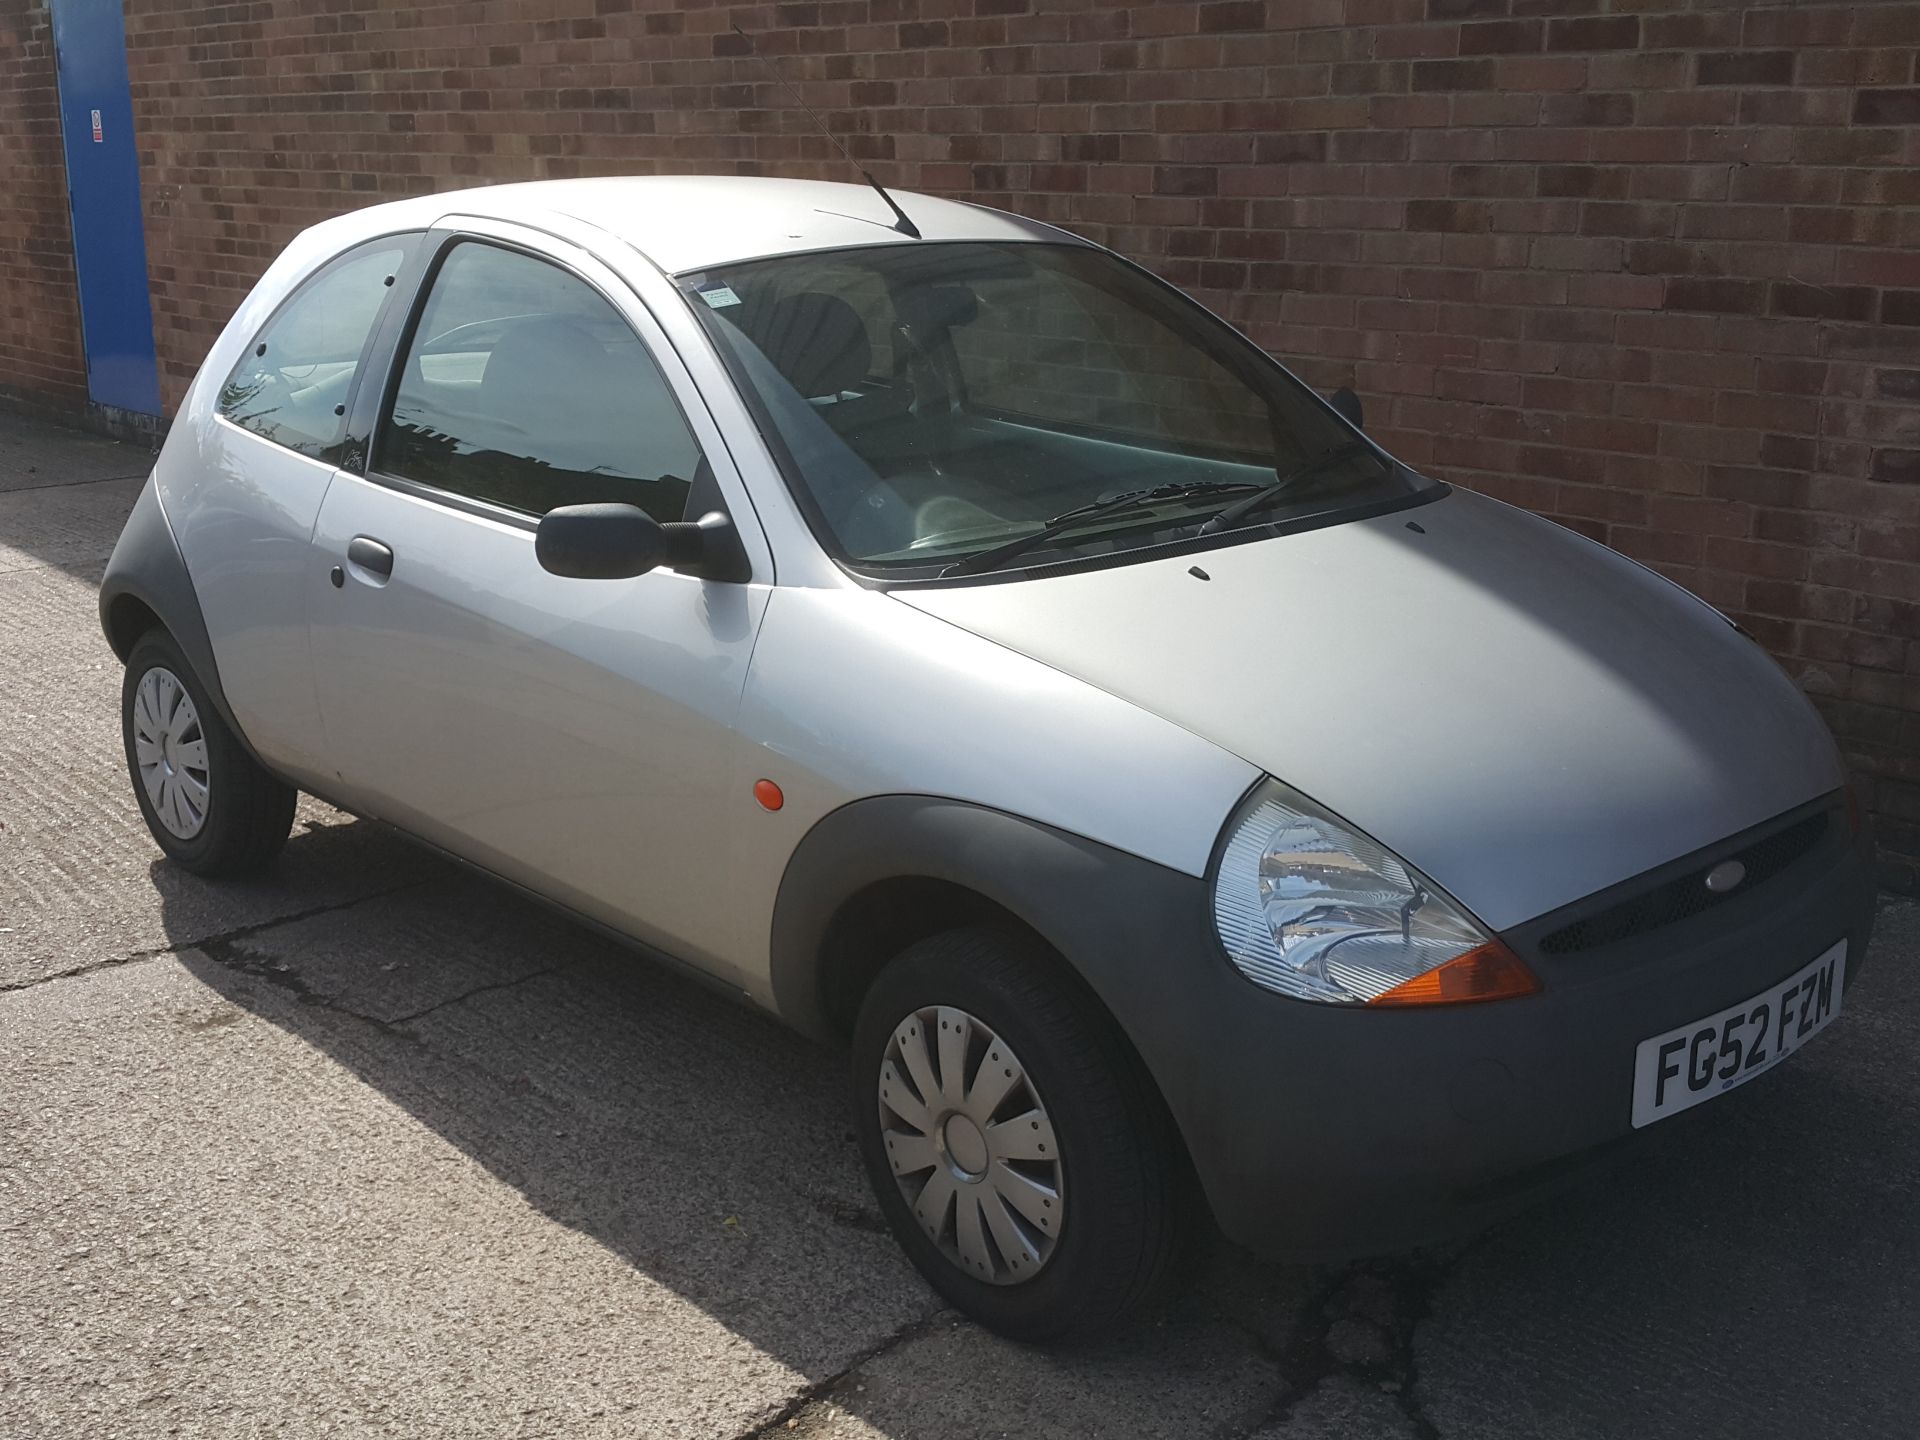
946	408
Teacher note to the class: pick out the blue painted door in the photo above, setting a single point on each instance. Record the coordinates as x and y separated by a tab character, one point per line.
103	191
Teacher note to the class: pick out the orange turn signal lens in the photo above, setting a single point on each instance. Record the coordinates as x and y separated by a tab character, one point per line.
1486	972
768	794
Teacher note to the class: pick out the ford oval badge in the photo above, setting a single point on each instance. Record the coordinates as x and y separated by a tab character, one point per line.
1724	876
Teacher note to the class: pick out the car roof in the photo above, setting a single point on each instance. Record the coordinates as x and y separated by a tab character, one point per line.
691	222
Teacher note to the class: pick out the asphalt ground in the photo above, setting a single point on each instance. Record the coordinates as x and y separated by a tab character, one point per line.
370	1147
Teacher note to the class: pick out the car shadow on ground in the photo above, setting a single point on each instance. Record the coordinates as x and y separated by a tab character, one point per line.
710	1149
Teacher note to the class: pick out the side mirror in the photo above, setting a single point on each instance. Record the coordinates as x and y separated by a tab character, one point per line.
1347	404
617	542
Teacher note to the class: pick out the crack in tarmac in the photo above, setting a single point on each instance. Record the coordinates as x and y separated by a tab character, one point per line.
227	937
1406	1285
823	1388
1381	1301
75	484
230	953
482	990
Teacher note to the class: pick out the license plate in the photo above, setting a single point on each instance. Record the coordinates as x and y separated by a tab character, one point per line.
1678	1070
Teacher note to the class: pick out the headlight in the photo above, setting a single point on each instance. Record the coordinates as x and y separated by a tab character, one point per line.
1310	907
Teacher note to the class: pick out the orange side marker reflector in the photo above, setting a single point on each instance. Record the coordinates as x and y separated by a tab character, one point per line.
768	794
1487	972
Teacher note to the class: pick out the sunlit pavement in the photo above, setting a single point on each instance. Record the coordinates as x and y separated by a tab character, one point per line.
371	1147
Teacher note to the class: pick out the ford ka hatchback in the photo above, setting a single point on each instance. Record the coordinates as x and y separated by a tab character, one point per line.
955	641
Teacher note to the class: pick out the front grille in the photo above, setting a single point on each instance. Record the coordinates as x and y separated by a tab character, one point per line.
1687	895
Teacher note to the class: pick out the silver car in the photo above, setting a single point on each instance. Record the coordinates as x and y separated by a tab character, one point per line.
946	636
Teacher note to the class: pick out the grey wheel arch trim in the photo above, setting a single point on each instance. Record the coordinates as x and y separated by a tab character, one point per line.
1077	895
1136	933
147	566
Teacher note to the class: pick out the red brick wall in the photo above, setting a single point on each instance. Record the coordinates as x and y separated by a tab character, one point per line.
40	355
1651	267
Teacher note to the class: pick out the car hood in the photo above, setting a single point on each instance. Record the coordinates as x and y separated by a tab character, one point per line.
1523	714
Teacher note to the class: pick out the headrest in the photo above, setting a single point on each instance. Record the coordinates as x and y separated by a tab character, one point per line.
816	340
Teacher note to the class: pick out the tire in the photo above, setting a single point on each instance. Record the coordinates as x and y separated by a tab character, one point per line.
1117	1172
223	814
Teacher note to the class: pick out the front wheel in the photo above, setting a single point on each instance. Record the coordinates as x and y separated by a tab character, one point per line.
208	803
1017	1147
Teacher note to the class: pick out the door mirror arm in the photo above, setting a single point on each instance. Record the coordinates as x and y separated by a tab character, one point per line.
618	542
709	548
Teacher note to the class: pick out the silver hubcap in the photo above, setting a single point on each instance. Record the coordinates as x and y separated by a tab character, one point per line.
171	751
970	1144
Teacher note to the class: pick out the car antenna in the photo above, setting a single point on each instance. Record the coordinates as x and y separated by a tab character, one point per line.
903	224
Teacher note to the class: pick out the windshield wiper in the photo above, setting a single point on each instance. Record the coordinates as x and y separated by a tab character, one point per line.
1070	519
1267	494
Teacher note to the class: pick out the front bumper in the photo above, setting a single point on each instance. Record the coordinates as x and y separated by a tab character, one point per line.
1322	1132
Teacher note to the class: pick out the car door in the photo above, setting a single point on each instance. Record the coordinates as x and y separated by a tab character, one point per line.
572	735
242	480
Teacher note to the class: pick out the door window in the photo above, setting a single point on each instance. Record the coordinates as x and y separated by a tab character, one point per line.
291	384
524	387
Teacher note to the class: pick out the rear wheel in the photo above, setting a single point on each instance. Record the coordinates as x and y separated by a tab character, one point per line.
1017	1148
209	805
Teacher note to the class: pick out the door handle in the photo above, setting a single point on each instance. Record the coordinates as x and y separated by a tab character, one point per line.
366	553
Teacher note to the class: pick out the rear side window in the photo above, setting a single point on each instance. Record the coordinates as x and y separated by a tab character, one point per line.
524	387
291	383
